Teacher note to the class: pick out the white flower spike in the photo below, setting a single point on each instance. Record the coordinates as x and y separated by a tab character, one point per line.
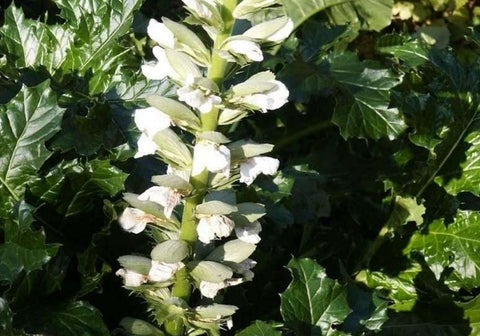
252	167
249	233
214	227
166	197
212	157
135	220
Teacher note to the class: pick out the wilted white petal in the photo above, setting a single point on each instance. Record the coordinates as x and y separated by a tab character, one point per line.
244	268
249	233
134	220
131	278
166	197
214	227
212	157
251	168
210	289
161	271
160	34
145	146
151	120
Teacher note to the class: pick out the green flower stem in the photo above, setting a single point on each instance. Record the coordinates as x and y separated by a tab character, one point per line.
188	231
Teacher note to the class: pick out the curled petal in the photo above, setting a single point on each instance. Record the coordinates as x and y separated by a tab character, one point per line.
251	168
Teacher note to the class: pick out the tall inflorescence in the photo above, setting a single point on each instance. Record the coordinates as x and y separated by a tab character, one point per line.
203	237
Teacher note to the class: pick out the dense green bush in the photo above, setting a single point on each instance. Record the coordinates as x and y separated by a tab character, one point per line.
372	222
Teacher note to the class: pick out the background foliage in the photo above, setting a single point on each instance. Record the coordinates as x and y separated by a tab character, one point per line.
377	199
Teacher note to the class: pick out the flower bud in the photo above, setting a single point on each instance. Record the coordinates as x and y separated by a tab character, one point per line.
260	92
275	30
247	7
241	49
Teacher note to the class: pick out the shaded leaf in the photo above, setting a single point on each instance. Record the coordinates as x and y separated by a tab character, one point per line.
313	303
259	328
365	111
26	122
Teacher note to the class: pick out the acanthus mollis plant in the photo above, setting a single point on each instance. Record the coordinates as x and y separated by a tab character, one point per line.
203	237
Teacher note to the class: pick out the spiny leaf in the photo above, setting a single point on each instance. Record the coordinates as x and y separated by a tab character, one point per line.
24	249
313	303
259	328
26	122
365	111
30	43
454	246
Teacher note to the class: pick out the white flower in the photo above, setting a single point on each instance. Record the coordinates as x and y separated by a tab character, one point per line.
252	167
160	34
249	233
161	271
145	146
274	30
210	289
262	91
247	7
243	48
214	227
135	220
151	120
160	70
212	157
131	278
166	197
184	174
184	66
244	268
200	7
198	99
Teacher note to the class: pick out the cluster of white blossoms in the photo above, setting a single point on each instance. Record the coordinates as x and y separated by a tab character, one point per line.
200	176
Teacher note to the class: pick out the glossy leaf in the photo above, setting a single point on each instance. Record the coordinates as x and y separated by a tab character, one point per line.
454	246
26	122
313	303
364	111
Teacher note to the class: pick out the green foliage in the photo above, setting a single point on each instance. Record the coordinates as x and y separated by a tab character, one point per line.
377	199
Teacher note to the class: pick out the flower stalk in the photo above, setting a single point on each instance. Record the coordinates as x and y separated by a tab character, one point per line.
198	252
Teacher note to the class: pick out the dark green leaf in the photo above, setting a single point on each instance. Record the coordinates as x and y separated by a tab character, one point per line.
24	249
454	246
371	14
26	122
364	112
259	328
313	303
